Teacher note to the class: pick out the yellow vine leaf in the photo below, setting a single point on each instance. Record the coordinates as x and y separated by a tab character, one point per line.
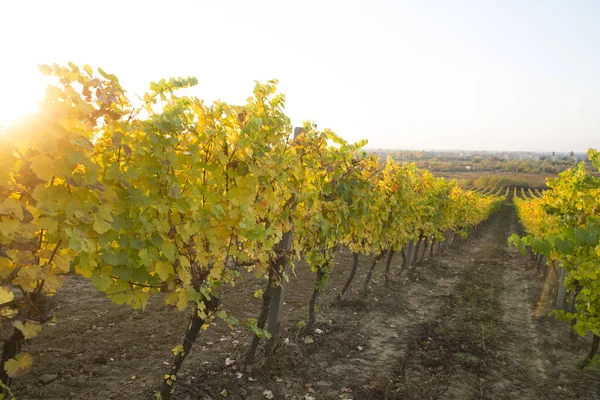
12	206
62	261
101	224
30	329
6	295
182	303
27	278
163	269
47	224
172	298
44	167
19	365
6	267
8	226
216	272
8	312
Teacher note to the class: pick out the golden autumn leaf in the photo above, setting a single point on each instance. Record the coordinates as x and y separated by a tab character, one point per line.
29	329
19	365
5	295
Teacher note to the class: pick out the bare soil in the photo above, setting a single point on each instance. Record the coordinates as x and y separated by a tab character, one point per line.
470	323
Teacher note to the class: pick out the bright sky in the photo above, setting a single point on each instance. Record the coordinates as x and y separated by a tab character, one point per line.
422	74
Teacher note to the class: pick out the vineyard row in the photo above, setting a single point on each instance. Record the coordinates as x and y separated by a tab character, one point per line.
176	196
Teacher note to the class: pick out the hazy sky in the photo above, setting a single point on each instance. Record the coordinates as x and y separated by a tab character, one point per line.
448	74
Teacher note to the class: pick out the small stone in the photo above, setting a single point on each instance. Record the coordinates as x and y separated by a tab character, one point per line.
323	384
100	361
48	378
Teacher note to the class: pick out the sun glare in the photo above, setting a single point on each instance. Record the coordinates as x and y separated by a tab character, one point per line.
20	99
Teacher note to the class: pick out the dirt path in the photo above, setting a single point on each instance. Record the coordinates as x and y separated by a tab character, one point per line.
465	329
485	340
468	325
520	339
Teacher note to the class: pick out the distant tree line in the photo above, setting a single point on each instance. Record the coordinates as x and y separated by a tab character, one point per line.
451	162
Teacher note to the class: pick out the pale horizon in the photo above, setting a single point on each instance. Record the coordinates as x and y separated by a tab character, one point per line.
466	75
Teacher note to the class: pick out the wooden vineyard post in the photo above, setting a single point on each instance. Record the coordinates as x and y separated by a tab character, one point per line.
409	253
274	318
562	291
416	248
540	262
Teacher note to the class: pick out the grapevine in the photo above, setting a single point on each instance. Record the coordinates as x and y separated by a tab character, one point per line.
563	224
175	197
